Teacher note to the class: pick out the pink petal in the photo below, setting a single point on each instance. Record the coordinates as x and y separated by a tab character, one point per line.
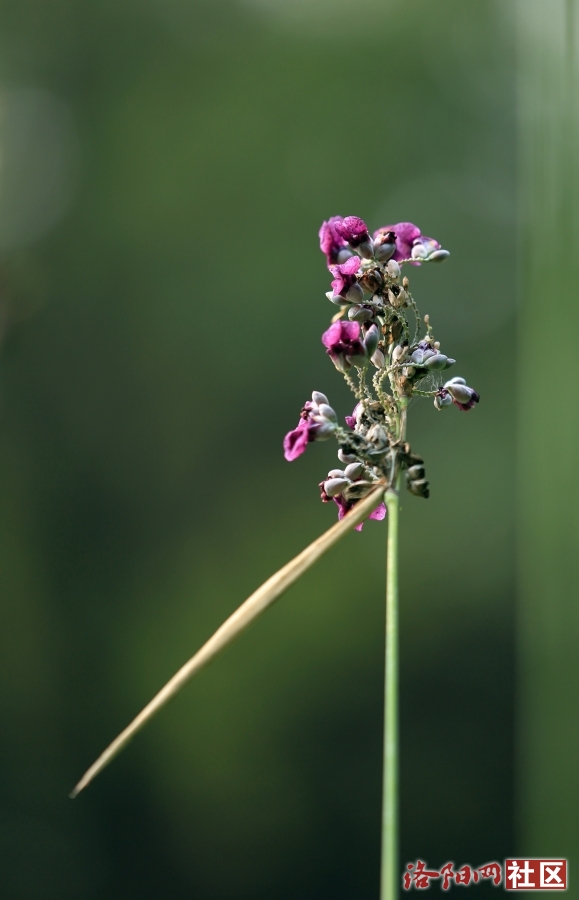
296	441
379	513
406	231
351	266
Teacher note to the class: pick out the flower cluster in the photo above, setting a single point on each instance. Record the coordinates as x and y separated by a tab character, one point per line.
377	328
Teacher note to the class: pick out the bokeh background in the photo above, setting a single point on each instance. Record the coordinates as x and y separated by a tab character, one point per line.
164	169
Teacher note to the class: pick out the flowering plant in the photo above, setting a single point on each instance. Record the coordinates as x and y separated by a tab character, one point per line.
378	326
377	329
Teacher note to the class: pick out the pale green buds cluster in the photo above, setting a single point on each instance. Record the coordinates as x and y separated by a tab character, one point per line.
322	416
431	359
348	482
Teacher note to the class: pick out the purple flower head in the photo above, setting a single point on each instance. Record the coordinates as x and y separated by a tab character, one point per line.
353	230
317	423
410	242
343	345
345	276
462	396
332	245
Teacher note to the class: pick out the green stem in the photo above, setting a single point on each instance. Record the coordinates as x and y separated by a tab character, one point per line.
390	874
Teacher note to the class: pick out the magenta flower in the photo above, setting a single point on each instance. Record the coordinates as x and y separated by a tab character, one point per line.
410	242
332	244
343	345
345	277
317	423
353	230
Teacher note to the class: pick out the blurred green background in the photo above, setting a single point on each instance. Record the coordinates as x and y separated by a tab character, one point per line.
164	169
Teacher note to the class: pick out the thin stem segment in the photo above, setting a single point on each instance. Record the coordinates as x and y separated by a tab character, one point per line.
389	874
257	603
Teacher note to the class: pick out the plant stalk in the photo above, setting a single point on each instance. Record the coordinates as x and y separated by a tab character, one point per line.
257	603
389	867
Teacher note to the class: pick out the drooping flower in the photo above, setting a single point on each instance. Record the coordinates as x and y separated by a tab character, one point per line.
344	282
332	245
411	244
348	487
462	396
344	506
317	423
343	345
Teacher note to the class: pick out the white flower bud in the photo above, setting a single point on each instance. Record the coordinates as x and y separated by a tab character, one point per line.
353	471
335	486
360	314
393	269
384	251
378	359
318	398
336	298
419	251
439	256
327	412
355	294
371	339
366	249
346	457
399	353
436	362
324	429
460	392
